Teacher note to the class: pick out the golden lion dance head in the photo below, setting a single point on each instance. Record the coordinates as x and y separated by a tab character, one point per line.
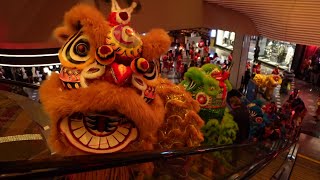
267	80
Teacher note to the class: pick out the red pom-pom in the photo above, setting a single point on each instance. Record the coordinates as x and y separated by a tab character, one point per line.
144	65
105	50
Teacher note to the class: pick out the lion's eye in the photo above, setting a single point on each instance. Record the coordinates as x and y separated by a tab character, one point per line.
82	49
152	71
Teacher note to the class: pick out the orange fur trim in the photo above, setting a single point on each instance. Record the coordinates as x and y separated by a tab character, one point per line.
62	34
155	43
102	96
91	20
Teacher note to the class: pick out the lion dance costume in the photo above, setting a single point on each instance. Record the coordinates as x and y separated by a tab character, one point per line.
108	96
269	82
209	86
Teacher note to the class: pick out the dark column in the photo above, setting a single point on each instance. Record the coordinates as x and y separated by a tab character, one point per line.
298	58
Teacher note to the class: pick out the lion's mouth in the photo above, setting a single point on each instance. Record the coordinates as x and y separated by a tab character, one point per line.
190	85
99	132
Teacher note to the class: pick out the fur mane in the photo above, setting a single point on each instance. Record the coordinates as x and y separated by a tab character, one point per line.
99	97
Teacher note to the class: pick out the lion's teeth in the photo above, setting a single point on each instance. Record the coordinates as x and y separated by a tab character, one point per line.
94	143
103	143
76	124
79	132
114	124
85	138
111	128
112	141
123	131
118	136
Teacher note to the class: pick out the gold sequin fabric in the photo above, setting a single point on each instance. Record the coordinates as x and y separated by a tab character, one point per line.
182	124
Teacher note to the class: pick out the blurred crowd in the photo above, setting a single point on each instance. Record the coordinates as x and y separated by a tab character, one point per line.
183	56
27	74
260	121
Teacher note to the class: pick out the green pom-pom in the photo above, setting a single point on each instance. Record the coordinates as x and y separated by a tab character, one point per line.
209	67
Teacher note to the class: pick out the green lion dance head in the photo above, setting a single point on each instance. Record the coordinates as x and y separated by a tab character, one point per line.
209	86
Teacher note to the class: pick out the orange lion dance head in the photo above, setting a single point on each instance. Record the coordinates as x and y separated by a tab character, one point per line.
108	96
105	95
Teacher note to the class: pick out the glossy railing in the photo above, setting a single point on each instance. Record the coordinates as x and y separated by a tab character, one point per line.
57	165
246	159
251	170
285	171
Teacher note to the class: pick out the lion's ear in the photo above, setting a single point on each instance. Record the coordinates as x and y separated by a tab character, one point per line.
62	34
155	43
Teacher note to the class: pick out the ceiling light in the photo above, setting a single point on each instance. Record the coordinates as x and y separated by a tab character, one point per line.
31	65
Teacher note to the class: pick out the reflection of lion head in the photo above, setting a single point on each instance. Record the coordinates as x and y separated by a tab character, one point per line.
108	97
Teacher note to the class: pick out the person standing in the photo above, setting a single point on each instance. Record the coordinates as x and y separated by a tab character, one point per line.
29	74
18	74
304	68
256	53
241	116
315	71
318	109
230	57
246	78
276	71
215	58
193	46
1	73
185	69
187	49
256	69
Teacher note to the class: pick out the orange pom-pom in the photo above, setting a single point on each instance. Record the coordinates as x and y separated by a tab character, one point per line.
140	65
105	55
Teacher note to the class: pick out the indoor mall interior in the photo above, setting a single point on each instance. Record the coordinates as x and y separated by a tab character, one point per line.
170	89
